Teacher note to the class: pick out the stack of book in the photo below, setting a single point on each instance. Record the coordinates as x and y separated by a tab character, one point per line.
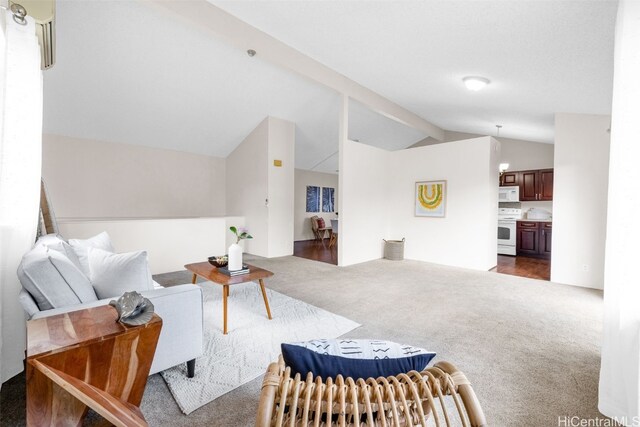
225	270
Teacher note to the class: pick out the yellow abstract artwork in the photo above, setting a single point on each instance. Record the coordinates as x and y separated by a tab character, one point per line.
431	198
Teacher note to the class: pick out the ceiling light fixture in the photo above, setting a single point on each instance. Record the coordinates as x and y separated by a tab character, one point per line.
475	83
251	53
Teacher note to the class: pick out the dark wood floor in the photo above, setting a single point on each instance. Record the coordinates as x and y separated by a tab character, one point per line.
533	268
316	250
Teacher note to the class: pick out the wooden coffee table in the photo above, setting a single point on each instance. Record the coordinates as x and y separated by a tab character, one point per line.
211	273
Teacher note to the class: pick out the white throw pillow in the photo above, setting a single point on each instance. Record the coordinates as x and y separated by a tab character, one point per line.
81	247
53	280
114	274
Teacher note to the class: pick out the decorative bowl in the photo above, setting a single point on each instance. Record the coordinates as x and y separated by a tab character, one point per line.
218	261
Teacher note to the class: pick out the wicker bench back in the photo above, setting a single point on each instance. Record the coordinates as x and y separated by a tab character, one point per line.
438	396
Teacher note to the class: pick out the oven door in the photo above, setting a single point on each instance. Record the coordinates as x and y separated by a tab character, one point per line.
507	233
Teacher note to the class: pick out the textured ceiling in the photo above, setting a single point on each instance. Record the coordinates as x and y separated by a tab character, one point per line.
130	72
542	57
126	72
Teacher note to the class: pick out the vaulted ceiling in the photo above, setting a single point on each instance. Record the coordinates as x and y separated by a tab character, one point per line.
127	72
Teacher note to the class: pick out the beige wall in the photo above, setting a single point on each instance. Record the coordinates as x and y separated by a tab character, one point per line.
302	223
525	155
248	187
94	179
261	192
282	139
170	243
521	155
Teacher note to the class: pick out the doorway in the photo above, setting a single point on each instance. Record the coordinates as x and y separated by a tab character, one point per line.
533	268
317	250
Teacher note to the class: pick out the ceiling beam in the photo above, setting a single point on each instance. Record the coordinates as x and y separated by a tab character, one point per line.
244	36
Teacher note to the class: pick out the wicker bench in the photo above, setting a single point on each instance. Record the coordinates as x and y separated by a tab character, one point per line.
440	395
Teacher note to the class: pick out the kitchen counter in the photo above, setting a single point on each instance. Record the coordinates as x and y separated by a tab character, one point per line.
536	220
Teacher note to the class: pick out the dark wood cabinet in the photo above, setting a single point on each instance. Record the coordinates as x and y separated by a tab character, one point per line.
527	238
546	185
529	186
534	185
545	239
510	179
533	239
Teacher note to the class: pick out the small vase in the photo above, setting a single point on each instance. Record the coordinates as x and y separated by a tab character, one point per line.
235	257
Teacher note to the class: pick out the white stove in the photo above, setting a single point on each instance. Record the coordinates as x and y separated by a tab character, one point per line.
509	213
507	218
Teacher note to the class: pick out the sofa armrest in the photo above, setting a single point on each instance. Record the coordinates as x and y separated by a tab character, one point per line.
180	308
28	303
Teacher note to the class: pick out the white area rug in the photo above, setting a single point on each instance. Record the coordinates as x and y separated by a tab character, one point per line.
252	343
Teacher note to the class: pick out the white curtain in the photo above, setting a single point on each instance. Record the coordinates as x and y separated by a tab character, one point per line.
20	169
619	392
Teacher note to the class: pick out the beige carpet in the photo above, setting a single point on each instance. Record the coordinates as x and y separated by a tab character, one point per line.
530	348
252	343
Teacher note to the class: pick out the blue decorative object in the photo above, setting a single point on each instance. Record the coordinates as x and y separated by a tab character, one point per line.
358	358
313	198
327	199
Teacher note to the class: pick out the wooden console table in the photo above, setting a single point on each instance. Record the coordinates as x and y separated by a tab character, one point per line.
86	359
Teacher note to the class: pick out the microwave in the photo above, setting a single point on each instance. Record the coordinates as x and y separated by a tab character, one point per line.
509	194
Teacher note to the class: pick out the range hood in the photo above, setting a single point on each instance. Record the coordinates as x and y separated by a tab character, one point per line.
43	12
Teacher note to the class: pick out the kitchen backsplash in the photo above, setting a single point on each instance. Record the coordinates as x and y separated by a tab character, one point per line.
512	205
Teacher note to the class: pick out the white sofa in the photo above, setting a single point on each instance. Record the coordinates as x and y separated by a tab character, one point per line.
180	307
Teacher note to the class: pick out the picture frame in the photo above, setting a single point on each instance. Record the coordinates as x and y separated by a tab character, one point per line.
328	199
313	198
430	199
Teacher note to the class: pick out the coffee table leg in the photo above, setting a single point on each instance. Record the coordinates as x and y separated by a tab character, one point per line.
225	294
194	278
264	295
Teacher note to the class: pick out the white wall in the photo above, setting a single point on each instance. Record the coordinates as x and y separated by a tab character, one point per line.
364	182
580	199
170	243
466	237
302	222
378	191
521	155
282	135
94	179
619	373
247	187
261	192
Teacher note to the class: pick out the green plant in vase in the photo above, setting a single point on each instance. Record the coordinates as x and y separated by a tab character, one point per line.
235	250
241	234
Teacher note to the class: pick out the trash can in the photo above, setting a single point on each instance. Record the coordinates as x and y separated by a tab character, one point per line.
394	249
